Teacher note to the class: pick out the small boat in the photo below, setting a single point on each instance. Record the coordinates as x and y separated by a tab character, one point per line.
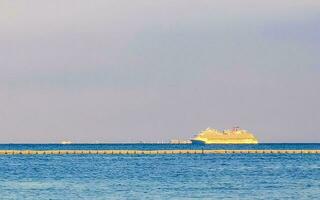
66	142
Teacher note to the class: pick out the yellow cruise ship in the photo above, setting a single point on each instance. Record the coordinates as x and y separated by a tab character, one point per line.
232	136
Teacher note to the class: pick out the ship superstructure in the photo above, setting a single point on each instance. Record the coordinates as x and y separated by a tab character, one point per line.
230	136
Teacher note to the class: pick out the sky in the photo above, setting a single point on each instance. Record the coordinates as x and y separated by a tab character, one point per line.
130	71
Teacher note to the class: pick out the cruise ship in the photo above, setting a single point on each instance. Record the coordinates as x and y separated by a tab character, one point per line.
231	136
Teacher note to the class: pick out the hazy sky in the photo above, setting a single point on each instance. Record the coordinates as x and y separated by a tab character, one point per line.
121	70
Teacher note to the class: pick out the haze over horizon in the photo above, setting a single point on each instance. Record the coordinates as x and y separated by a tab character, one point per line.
112	71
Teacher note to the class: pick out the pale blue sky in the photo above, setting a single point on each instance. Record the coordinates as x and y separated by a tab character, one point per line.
113	71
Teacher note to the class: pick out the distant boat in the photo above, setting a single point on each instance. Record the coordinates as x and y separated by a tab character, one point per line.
66	142
233	136
177	141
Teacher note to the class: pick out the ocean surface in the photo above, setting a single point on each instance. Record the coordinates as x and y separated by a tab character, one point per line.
194	176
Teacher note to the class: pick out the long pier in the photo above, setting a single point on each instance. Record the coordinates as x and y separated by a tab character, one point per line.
140	152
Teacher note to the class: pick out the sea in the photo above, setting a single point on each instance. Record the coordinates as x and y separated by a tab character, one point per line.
180	176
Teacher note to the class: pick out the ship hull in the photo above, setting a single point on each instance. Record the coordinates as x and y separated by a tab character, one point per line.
224	141
198	142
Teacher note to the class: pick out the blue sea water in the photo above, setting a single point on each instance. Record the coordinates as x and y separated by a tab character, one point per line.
194	176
